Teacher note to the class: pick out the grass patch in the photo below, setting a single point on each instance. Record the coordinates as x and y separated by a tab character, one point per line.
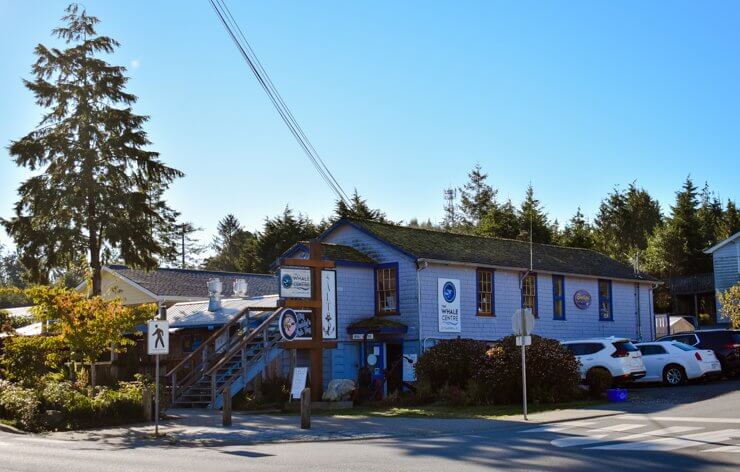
443	411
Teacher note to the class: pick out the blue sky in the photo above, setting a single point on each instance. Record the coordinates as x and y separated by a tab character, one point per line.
401	99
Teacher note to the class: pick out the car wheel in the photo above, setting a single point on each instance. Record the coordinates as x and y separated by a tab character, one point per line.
674	375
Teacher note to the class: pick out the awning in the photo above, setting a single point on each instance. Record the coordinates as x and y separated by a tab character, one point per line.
377	325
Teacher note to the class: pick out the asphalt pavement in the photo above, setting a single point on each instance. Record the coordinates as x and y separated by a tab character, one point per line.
696	427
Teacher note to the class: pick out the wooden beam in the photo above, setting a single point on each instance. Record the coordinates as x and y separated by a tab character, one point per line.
308	263
298	304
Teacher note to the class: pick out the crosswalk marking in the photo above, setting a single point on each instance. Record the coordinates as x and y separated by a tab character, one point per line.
621	427
559	427
659	432
578	440
730	449
684	419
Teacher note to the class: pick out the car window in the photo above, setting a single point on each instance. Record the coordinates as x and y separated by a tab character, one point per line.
652	349
593	348
689	339
625	346
576	349
684	347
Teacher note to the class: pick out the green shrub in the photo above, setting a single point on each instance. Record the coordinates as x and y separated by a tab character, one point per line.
28	358
553	373
598	381
20	405
450	363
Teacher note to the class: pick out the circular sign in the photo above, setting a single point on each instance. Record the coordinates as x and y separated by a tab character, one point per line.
449	292
582	299
288	324
287	281
372	359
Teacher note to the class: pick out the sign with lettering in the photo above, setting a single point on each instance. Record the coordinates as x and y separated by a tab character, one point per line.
300	374
582	299
448	301
295	282
295	324
329	304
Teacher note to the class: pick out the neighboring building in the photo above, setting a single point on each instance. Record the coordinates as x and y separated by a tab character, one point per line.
693	295
392	280
726	261
170	286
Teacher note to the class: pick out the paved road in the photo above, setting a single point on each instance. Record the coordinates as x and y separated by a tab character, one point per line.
691	428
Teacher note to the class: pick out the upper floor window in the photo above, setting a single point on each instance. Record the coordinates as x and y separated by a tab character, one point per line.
485	293
605	300
558	297
529	293
386	289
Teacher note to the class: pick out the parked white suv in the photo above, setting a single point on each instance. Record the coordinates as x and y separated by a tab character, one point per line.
618	356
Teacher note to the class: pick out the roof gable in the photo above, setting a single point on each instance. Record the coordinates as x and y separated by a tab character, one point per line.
722	244
468	249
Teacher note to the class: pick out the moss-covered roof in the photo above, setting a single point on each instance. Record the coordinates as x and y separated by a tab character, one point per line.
455	247
332	252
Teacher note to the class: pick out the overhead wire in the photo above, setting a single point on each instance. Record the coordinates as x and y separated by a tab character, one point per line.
235	32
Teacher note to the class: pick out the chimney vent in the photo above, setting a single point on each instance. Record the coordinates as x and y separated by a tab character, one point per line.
214	294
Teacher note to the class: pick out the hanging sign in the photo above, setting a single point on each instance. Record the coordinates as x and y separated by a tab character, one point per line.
295	282
582	299
448	300
295	324
329	304
158	337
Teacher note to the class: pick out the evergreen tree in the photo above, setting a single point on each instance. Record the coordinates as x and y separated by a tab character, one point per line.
730	221
229	243
665	256
277	236
532	218
624	222
357	209
501	221
710	217
477	198
415	223
189	248
685	220
97	188
578	233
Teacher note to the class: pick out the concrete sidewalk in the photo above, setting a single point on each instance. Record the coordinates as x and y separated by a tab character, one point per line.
203	427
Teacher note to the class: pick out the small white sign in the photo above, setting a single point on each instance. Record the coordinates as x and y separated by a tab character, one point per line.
409	367
295	282
329	304
524	340
158	337
522	323
360	337
448	300
300	374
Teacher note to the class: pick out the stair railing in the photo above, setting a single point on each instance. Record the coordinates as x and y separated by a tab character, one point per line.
240	349
189	370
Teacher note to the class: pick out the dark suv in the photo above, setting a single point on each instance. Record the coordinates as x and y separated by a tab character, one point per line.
724	342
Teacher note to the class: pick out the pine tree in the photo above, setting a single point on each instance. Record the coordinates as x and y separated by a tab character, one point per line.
477	198
730	221
710	217
685	220
357	209
578	233
532	218
501	221
228	244
277	236
96	188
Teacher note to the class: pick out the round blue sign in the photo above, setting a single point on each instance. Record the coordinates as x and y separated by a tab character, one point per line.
287	281
449	292
582	299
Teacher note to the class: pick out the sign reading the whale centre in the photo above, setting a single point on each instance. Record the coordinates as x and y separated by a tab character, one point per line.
448	300
295	282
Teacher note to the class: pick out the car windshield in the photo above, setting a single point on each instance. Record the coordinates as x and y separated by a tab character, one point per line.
684	347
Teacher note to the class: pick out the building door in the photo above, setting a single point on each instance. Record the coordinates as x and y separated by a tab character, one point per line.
394	367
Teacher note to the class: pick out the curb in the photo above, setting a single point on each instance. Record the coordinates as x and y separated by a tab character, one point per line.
10	429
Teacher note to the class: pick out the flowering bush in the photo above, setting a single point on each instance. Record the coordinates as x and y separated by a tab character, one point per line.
19	404
450	363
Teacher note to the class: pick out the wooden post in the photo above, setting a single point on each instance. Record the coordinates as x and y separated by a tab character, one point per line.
257	383
306	408
146	397
227	405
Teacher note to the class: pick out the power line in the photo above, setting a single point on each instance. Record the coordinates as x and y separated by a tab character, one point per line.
240	41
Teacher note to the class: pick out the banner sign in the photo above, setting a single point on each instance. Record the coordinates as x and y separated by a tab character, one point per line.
295	282
329	304
448	300
582	299
295	324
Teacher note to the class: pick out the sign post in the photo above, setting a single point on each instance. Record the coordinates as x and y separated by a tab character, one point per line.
158	343
523	323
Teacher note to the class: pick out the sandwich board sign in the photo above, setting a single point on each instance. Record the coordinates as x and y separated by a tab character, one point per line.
158	337
300	374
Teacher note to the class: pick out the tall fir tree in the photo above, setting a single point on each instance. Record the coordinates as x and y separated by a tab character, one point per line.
685	220
228	245
96	187
710	216
730	221
501	221
357	209
532	218
477	198
277	236
578	232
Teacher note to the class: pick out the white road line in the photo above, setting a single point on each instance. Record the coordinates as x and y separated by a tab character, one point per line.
659	432
620	427
670	444
684	419
558	427
730	449
578	440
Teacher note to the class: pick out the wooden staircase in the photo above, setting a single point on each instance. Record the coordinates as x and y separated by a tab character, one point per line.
225	363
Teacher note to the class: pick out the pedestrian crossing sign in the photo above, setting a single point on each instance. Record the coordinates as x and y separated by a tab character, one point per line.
158	337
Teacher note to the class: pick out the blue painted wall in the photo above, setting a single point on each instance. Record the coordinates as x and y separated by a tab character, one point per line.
726	262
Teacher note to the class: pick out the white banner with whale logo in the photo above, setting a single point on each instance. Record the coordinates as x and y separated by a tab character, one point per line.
448	300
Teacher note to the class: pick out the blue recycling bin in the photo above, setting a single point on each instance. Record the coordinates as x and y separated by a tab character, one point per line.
617	395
